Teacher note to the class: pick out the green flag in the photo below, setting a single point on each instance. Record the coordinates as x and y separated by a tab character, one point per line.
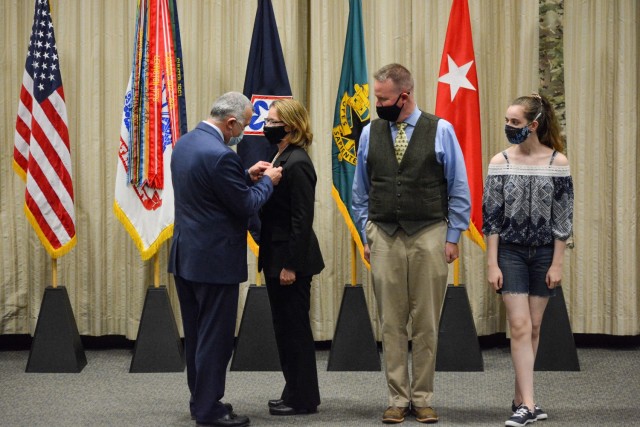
350	116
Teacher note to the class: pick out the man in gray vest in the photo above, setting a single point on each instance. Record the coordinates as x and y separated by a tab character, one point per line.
411	202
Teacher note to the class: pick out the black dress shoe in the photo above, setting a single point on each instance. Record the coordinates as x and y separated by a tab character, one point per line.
283	409
275	402
227	421
229	409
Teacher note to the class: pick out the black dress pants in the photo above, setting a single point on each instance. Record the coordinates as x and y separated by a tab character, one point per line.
208	318
290	311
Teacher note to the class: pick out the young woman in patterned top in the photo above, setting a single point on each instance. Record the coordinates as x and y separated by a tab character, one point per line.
527	216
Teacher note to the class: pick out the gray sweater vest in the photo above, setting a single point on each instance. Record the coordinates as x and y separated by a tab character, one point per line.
410	195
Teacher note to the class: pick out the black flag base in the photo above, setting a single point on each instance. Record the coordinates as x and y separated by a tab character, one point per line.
256	348
557	348
56	345
353	347
458	346
158	347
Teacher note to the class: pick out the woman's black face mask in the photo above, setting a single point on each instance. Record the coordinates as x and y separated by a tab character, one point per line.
274	134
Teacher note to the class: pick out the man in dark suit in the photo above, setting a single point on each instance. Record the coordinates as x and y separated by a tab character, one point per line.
214	198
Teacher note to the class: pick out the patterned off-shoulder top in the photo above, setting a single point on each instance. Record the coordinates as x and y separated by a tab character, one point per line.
528	205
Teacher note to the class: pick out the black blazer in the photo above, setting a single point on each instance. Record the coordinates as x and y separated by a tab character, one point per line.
287	239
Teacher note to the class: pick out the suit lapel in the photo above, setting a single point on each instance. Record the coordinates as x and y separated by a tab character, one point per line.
282	158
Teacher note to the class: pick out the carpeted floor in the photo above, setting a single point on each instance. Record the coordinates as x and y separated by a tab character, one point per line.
604	393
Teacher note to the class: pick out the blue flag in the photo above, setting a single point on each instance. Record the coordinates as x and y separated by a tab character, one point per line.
266	80
350	117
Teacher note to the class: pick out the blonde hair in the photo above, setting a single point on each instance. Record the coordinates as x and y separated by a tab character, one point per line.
293	114
538	108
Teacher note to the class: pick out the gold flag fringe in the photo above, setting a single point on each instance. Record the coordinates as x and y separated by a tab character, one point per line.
145	253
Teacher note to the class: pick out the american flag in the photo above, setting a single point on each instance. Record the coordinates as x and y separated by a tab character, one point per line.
41	153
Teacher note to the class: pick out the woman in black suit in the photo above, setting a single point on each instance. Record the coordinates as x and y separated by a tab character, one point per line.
290	256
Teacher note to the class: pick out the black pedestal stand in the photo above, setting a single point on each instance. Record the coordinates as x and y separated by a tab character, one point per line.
158	347
256	348
353	347
557	348
458	346
56	345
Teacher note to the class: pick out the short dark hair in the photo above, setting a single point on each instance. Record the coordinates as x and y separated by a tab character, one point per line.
398	74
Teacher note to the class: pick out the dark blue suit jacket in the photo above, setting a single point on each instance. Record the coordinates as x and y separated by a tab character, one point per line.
214	199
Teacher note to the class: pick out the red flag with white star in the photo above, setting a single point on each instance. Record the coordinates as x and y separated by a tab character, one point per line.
457	101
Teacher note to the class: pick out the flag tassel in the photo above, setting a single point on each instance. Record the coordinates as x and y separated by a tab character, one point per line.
355	235
145	252
475	236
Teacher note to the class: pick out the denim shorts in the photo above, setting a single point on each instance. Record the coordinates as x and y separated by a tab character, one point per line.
524	269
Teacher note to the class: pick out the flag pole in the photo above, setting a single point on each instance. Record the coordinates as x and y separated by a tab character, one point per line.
456	272
54	273
353	262
456	266
258	277
156	271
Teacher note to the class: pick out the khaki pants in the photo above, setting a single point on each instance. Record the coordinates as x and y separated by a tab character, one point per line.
409	276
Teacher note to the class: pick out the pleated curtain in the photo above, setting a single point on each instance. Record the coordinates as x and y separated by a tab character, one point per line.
104	274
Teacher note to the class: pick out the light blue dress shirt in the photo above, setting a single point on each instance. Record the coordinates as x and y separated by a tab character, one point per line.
448	154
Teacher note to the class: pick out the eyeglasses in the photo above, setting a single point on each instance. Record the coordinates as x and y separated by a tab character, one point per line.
270	122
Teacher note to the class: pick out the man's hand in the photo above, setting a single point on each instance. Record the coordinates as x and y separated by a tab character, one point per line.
274	173
287	277
257	171
367	253
451	252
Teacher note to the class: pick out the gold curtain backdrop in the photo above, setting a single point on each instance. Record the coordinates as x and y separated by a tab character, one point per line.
104	274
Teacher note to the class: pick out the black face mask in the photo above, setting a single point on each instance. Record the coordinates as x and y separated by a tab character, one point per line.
274	134
390	112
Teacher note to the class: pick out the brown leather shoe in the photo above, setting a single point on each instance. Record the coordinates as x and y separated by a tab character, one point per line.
425	415
394	415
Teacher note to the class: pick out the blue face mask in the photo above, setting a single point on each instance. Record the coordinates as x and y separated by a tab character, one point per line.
517	135
235	140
